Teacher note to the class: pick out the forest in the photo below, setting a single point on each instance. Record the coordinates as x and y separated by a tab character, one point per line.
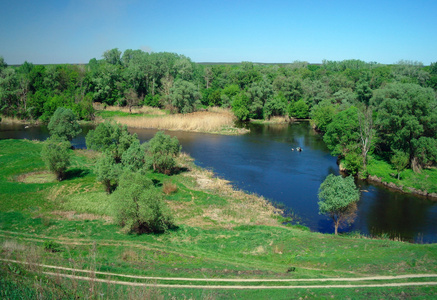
361	108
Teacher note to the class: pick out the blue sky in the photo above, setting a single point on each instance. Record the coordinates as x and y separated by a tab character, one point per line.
61	31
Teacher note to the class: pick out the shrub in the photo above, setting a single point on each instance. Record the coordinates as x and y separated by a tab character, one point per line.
162	149
134	158
110	137
52	246
139	206
63	123
107	171
56	156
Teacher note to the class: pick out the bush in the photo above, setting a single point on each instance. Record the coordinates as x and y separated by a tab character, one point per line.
134	158
162	149
56	156
63	123
110	137
107	171
139	206
52	246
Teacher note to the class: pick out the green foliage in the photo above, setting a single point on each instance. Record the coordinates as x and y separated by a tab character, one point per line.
275	106
134	158
406	112
51	246
299	109
240	106
161	150
342	134
63	123
338	197
400	160
322	114
110	137
184	96
139	207
55	154
107	171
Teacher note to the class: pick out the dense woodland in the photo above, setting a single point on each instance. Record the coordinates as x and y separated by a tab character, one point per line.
361	108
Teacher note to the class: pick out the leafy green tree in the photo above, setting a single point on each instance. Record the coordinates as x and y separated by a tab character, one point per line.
63	123
9	86
298	109
338	197
275	106
55	154
139	207
322	114
134	158
240	106
400	161
113	56
184	96
405	113
107	171
162	149
342	134
110	137
258	93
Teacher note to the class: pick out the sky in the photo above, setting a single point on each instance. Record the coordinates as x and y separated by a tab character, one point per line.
274	31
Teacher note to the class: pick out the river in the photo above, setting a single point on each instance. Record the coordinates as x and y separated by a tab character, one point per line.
263	162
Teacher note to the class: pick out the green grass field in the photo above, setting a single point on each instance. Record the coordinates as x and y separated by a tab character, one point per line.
220	233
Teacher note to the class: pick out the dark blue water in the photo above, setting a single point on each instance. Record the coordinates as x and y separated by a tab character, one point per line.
262	162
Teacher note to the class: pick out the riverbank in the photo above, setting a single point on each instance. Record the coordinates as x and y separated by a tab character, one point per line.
422	184
221	233
214	121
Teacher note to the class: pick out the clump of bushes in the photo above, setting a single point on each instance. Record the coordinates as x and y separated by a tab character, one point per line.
139	206
55	154
162	150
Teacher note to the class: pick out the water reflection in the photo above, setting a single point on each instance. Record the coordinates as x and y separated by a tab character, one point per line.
262	162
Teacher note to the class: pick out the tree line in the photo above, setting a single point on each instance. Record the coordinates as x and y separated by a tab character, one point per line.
360	107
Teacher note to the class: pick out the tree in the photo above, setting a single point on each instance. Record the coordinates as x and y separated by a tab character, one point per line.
322	114
132	98
298	109
338	197
162	150
406	112
139	206
110	137
134	158
113	56
367	132
56	156
342	134
184	96
240	108
63	123
107	171
400	160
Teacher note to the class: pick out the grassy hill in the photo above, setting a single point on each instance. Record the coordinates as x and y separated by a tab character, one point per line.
221	234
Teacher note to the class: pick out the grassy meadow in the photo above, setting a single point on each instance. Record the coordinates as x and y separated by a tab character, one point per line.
221	234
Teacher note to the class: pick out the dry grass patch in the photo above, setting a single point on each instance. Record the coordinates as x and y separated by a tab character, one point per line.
169	188
211	122
241	208
37	177
73	215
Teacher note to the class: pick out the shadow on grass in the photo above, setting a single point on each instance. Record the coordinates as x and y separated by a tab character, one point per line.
76	173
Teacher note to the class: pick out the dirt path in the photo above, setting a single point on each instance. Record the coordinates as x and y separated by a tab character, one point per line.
93	273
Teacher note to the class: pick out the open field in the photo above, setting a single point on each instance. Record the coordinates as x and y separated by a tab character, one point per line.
221	235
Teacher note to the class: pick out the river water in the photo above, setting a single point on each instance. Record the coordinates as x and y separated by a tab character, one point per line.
263	162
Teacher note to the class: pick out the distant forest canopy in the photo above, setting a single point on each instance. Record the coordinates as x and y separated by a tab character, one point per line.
359	106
